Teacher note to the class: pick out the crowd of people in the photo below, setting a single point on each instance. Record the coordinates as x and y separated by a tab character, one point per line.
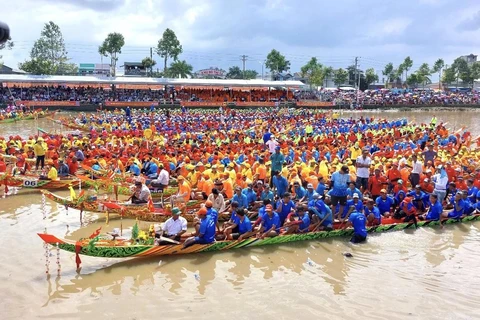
92	95
278	171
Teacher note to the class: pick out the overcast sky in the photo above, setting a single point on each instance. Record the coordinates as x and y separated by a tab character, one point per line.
214	33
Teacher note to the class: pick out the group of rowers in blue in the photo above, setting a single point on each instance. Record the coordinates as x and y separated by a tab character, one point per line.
343	203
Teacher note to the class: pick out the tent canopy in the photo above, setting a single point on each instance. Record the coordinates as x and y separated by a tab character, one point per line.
85	80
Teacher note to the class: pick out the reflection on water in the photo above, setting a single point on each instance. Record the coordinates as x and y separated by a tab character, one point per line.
418	274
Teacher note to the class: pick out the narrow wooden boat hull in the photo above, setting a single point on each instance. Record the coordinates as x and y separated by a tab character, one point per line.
124	249
140	212
33	182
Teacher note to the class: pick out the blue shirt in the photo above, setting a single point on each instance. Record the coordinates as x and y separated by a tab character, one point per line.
250	194
457	213
96	167
63	171
359	223
207	230
261	212
135	169
267	195
384	205
321	189
321	210
340	184
305	222
351	192
242	200
358	206
286	209
281	184
243	226
376	213
277	160
213	214
300	192
310	195
152	170
434	211
472	194
268	222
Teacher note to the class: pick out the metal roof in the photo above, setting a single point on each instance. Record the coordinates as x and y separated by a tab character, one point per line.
91	79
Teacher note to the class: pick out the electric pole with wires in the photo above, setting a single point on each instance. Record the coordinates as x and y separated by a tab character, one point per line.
244	59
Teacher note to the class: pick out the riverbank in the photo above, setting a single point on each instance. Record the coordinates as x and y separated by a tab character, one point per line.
213	106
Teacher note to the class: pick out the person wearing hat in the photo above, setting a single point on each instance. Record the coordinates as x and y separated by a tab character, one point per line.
339	185
358	221
270	224
384	203
355	203
240	198
174	227
63	170
310	192
39	150
267	193
352	190
420	198
206	230
435	210
321	214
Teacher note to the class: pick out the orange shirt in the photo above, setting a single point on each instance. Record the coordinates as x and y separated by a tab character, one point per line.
376	184
185	188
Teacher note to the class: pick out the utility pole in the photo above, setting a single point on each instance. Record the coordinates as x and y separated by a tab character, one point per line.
244	59
151	57
357	75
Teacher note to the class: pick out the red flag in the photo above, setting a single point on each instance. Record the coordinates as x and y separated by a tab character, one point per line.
150	205
96	233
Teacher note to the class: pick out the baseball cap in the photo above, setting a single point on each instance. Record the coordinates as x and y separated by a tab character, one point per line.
176	211
309	186
383	191
208	204
202	211
355	196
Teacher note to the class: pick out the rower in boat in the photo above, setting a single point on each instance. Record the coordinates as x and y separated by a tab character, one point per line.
173	228
299	225
322	217
212	213
63	170
372	213
458	207
240	229
142	193
434	211
270	225
384	203
284	207
206	230
217	199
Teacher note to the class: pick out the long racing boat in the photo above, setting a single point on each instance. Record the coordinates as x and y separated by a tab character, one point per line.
103	246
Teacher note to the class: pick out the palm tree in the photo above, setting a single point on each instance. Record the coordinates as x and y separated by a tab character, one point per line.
180	69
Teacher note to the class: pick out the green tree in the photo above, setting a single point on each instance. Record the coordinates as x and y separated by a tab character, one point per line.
327	73
475	72
8	46
388	72
460	66
112	46
449	75
406	65
169	47
250	74
340	77
314	71
234	73
423	74
277	62
370	76
412	80
179	69
48	54
148	64
437	68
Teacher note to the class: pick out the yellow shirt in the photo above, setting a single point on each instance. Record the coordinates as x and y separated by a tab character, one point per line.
38	149
52	174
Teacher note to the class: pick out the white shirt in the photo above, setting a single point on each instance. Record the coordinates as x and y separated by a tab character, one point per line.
440	183
218	203
272	144
363	172
163	177
417	167
172	227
